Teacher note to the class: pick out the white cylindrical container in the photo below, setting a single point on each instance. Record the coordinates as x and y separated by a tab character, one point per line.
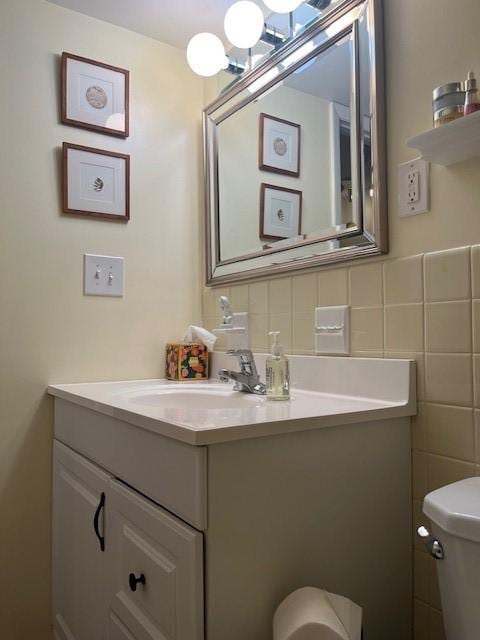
314	614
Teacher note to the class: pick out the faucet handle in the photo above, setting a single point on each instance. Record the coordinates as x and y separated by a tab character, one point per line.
246	360
240	353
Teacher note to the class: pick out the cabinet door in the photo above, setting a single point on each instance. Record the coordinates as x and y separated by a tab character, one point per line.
117	630
79	563
156	571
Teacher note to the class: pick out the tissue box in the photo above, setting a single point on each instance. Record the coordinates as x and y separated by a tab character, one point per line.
187	361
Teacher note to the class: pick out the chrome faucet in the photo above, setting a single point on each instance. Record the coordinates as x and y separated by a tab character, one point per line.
247	379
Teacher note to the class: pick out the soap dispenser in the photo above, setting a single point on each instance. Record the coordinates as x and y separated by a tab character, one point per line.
278	374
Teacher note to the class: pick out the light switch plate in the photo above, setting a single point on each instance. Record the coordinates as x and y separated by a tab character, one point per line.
414	187
332	330
103	276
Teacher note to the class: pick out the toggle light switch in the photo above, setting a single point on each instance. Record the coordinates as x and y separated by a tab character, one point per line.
103	276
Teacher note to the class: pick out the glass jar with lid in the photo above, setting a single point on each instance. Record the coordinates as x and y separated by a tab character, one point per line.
448	103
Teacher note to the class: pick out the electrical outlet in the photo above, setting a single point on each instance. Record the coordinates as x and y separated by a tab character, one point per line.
413	178
414	187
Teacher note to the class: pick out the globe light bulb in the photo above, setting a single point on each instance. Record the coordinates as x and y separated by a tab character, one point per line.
206	54
283	6
244	24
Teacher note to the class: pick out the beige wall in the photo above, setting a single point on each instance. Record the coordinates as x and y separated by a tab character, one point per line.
49	331
420	307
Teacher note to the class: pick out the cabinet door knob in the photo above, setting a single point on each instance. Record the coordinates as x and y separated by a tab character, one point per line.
133	581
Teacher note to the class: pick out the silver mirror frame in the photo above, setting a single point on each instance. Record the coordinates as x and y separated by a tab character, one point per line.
371	243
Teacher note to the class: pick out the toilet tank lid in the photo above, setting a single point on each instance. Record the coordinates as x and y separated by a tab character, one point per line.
456	508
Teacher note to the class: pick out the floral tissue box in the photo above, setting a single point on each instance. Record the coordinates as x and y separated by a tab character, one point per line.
187	361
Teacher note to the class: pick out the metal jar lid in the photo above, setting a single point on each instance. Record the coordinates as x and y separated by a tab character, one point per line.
471	83
446	89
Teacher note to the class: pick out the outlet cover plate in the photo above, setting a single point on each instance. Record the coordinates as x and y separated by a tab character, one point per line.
332	330
414	187
103	276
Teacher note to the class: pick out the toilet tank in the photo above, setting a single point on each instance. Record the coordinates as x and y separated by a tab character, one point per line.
455	514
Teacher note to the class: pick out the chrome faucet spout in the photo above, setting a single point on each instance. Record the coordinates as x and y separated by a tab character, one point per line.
247	379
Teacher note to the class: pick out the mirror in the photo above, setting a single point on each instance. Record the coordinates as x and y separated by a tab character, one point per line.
294	153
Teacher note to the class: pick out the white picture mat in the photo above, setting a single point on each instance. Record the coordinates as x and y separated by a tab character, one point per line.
81	76
84	167
289	203
273	130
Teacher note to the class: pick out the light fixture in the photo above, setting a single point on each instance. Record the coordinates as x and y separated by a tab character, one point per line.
283	6
206	54
244	24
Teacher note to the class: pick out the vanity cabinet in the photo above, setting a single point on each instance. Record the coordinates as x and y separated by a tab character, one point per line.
124	568
203	541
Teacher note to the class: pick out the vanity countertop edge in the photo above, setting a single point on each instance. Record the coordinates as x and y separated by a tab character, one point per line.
388	390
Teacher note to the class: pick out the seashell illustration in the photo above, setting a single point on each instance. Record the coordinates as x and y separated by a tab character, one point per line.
98	185
280	146
96	97
281	215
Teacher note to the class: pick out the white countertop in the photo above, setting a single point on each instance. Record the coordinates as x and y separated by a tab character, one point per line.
326	392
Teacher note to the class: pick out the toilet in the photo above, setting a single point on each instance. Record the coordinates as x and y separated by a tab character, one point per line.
315	614
454	542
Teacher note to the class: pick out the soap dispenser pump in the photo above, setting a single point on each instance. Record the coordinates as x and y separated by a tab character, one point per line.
278	374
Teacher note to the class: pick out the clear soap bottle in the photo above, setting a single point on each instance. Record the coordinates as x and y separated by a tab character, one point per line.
278	374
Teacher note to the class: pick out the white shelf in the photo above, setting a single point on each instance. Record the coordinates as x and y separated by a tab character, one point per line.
451	143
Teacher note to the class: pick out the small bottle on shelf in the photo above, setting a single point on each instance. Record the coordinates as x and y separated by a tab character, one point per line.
472	99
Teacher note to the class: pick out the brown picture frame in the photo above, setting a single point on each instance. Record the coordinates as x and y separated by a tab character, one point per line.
120	133
262	164
121	217
263	188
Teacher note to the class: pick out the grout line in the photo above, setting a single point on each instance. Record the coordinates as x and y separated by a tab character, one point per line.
449	353
404	304
450	458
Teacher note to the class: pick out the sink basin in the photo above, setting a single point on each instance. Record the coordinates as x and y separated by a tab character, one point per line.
197	396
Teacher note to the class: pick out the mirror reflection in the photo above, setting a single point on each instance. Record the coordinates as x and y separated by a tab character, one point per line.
284	161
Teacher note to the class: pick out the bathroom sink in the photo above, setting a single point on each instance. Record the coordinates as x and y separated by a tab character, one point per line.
325	392
201	396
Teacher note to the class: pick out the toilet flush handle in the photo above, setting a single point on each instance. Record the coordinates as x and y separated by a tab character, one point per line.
434	546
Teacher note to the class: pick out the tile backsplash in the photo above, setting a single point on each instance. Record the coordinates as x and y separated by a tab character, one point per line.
425	307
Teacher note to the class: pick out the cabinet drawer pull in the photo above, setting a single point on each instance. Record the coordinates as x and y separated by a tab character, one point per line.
133	581
96	519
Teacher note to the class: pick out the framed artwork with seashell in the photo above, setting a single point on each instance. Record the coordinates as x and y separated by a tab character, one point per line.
280	212
95	95
96	182
279	146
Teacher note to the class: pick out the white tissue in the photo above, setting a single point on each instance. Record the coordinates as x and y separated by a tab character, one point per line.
199	334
